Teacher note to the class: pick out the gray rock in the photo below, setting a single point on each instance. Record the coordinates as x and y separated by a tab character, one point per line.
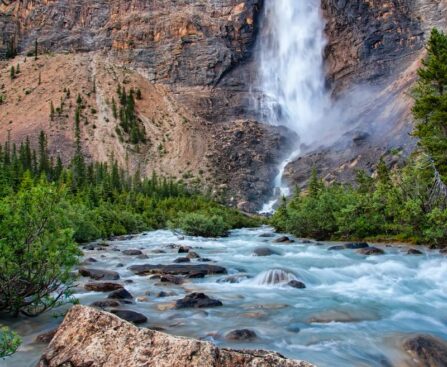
105	303
296	284
413	251
120	294
102	286
197	300
283	239
131	316
427	351
371	251
264	251
177	269
241	335
99	274
132	252
182	260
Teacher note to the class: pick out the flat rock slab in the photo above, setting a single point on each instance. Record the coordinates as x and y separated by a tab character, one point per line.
89	337
177	269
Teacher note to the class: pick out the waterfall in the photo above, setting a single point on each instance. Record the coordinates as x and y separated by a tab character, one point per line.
292	78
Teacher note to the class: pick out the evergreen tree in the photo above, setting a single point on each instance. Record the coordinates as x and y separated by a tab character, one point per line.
430	107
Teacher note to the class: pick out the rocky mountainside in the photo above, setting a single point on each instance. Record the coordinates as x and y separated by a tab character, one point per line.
105	340
195	64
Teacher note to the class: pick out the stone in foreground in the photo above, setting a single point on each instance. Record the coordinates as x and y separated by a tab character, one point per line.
89	337
426	350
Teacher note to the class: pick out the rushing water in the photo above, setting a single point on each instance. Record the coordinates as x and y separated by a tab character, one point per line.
292	76
354	311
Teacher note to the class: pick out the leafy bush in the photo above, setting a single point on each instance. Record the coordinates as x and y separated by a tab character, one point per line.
9	342
197	224
37	249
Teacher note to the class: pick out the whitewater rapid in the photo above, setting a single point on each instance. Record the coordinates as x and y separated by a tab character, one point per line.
354	311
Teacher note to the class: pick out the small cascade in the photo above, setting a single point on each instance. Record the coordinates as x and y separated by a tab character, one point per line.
273	277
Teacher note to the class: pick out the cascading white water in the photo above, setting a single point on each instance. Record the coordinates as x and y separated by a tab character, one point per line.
273	277
292	77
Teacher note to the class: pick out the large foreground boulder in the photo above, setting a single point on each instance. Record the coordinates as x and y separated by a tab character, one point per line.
89	337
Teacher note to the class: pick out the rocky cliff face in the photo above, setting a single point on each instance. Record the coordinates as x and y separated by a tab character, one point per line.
195	64
373	51
93	338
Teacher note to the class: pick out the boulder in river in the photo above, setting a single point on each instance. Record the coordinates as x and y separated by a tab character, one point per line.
120	294
197	300
235	278
193	255
283	239
264	251
102	286
267	235
371	251
183	249
180	260
171	279
105	303
132	252
413	251
426	350
241	335
99	274
336	248
349	246
89	337
177	269
131	316
296	284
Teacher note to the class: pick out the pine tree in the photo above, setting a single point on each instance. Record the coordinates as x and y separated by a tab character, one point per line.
430	107
12	72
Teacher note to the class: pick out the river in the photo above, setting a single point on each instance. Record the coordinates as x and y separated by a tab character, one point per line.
354	311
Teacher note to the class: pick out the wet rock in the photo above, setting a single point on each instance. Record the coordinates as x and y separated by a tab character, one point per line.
132	252
296	284
131	316
177	269
336	248
142	257
127	237
205	260
102	286
46	337
99	274
413	251
164	294
105	303
306	241
171	279
241	335
88	337
371	251
193	255
180	260
119	265
293	328
91	260
283	239
128	281
197	300
184	249
142	299
158	251
356	245
195	275
120	294
232	279
427	351
267	235
349	246
264	251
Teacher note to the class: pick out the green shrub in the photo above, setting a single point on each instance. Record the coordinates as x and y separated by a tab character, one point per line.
9	342
197	224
